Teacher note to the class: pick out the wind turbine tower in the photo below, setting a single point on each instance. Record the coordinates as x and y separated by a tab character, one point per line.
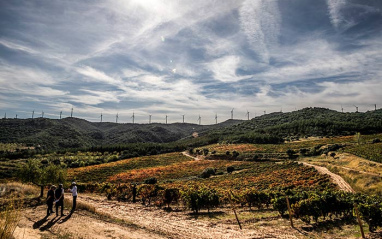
265	112
356	109
183	118
375	106
16	116
5	115
166	119
60	114
71	113
216	118
101	117
247	114
32	114
133	117
116	118
342	109
42	114
232	113
200	120
149	119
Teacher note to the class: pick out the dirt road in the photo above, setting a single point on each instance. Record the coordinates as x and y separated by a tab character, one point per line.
180	224
342	184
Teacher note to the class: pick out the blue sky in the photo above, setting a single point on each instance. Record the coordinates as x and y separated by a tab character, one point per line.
200	57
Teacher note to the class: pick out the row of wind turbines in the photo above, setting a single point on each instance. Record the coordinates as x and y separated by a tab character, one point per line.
199	120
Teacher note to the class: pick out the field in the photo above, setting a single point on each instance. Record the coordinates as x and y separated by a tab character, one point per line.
180	194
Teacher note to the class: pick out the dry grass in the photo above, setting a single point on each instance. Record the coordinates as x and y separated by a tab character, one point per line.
17	189
9	218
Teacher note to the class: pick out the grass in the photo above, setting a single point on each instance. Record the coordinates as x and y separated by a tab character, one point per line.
10	217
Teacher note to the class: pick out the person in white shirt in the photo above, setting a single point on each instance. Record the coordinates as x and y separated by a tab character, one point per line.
73	190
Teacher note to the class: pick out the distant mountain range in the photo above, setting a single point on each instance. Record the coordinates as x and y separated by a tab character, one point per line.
79	133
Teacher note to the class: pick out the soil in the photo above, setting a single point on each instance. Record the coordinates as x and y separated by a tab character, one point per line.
138	221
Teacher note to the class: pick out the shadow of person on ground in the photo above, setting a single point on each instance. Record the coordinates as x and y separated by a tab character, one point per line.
50	223
39	223
66	218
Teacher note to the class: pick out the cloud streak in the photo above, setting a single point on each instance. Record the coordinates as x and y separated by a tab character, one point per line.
188	57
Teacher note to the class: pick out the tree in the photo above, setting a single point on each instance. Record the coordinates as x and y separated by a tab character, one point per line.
41	175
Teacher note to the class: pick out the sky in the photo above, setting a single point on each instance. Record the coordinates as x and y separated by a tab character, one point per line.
193	58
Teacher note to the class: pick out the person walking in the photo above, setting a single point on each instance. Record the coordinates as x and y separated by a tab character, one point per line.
73	190
59	196
50	200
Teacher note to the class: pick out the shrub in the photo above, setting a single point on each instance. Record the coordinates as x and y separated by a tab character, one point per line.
230	169
151	181
208	172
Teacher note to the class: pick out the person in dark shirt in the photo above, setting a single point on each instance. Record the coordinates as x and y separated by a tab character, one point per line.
59	197
50	200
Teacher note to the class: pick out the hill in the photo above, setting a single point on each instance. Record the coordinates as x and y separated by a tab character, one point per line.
307	122
79	133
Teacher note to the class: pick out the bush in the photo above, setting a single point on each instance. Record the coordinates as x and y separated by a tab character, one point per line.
230	169
208	172
205	151
150	181
235	154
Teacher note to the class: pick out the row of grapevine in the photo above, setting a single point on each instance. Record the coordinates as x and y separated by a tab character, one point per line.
306	206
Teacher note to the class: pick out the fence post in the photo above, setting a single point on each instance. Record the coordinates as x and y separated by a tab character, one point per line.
359	220
234	210
290	212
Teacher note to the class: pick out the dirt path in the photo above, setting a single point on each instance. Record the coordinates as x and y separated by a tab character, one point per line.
197	158
180	224
81	224
342	184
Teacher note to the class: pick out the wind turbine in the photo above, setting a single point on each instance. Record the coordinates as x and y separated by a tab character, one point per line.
32	114
166	119
71	113
342	109
42	114
247	114
116	118
133	117
5	115
356	108
216	118
60	114
101	117
149	119
183	118
200	120
232	113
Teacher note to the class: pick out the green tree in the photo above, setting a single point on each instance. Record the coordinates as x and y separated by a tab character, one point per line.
41	175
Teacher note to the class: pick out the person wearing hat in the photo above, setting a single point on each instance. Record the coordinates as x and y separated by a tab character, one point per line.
73	190
59	196
50	200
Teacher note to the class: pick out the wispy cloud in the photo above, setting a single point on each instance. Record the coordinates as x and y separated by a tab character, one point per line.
195	57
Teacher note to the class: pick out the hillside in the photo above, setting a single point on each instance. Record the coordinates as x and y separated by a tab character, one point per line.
309	122
77	133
